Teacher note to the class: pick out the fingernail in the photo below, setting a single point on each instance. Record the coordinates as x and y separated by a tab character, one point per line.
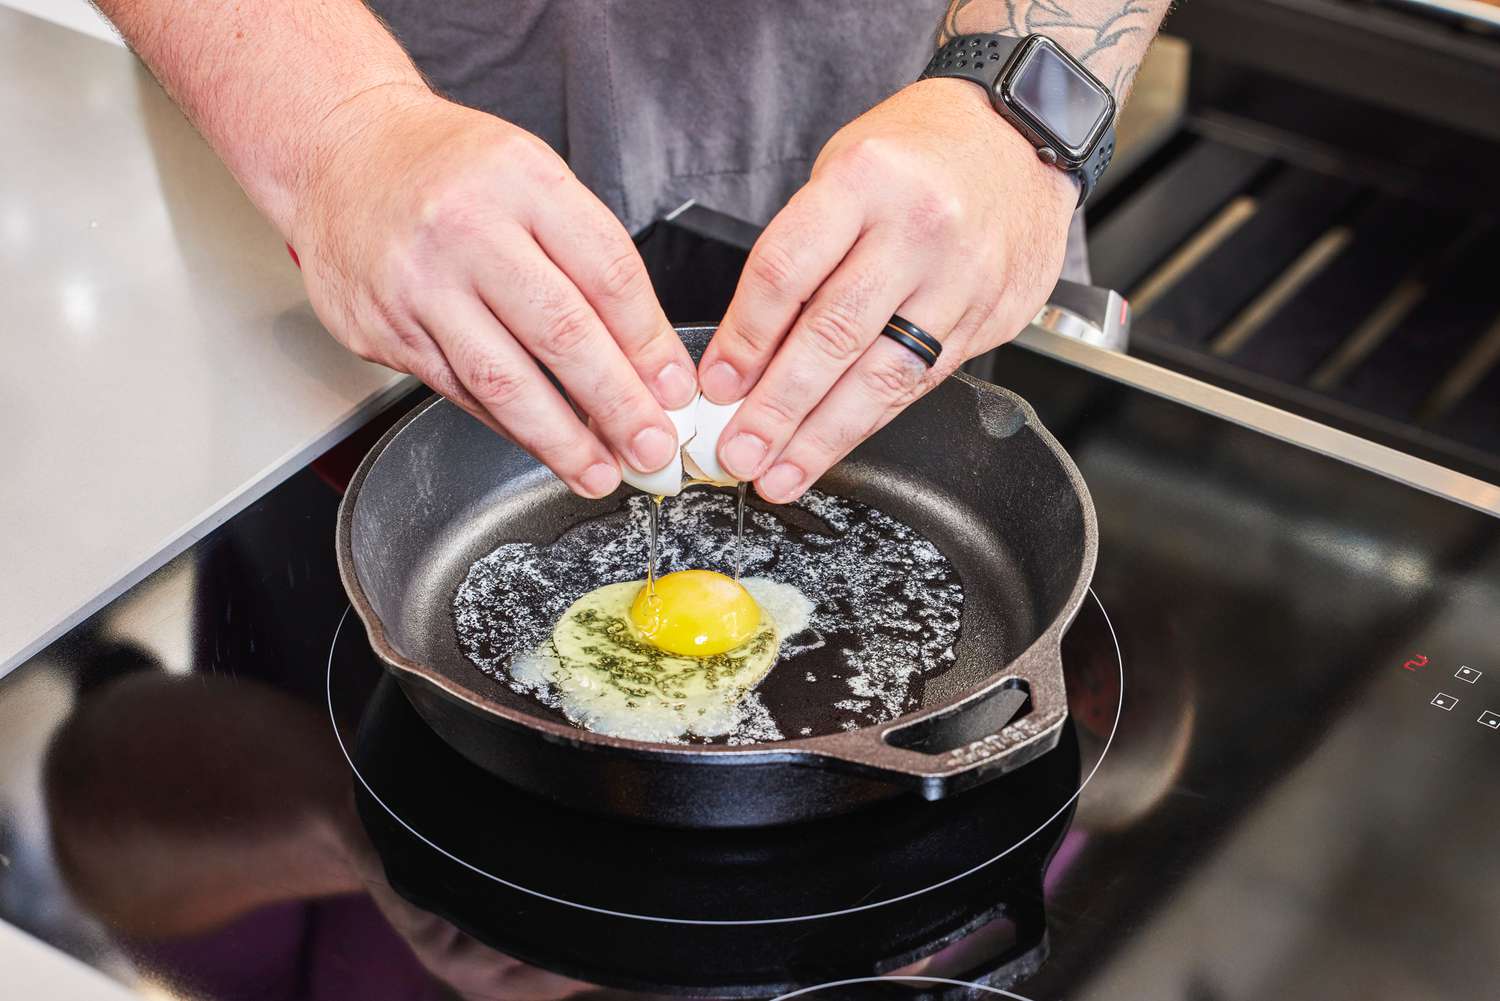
599	479
652	448
742	454
781	482
721	383
674	386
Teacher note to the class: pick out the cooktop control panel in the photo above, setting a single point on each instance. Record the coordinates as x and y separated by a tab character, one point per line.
1459	689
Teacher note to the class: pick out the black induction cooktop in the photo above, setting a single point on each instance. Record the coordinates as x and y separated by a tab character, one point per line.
1277	780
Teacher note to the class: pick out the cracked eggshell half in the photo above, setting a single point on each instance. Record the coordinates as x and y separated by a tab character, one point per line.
666	481
701	455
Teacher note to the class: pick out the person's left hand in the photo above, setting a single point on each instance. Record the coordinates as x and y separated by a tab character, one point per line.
929	205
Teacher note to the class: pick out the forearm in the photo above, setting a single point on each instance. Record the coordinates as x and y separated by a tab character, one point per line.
1110	37
269	84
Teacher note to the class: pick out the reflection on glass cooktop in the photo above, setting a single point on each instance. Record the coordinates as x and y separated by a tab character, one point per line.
1298	802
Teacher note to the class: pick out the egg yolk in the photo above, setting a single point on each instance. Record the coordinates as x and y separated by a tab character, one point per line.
696	613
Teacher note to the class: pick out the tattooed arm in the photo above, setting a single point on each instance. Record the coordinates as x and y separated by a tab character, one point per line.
931	206
1110	37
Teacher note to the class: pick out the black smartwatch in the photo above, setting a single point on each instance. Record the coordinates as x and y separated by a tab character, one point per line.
1050	97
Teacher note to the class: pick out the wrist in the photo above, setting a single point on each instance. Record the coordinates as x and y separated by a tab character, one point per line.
976	121
1044	93
337	140
290	197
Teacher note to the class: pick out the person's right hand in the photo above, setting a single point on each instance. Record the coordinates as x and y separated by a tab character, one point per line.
447	243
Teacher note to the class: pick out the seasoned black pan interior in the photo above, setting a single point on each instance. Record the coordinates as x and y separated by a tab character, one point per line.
962	466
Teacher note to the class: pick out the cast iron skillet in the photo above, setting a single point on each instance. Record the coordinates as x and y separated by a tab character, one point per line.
969	465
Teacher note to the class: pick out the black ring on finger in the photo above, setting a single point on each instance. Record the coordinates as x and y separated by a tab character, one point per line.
914	338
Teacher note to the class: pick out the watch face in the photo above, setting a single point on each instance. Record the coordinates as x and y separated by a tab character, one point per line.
1058	98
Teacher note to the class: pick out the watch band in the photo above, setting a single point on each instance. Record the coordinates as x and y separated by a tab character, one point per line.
982	59
973	57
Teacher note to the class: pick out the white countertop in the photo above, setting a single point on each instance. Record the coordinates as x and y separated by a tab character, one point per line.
80	15
36	971
162	366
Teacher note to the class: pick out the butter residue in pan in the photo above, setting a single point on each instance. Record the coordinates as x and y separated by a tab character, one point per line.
886	606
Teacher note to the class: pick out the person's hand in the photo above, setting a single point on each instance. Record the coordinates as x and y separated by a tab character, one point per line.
930	206
447	243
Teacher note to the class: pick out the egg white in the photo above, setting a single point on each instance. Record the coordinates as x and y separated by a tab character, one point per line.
597	671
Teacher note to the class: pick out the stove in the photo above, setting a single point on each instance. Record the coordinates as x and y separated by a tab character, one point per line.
1274	241
1277	780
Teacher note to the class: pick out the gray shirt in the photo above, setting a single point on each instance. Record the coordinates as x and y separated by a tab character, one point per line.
654	102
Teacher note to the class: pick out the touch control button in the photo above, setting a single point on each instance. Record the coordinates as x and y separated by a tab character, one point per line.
1468	674
1443	701
1490	718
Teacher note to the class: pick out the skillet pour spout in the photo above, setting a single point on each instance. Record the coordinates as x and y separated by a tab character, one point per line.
969	466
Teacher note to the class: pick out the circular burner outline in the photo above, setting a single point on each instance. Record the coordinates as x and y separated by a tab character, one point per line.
662	919
899	979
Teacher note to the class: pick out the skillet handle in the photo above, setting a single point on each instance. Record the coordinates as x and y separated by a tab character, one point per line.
975	740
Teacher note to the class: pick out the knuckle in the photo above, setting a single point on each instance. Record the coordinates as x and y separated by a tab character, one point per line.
774	268
440	378
894	378
615	407
934	215
405	331
411	337
746	336
399	271
565	331
533	158
390	324
361	336
497	385
516	146
779	410
446	212
870	155
834	331
623	276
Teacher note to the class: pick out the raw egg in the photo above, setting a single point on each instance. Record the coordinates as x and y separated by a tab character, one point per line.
607	677
696	613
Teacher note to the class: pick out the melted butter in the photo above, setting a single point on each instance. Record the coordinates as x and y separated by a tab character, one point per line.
888	603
